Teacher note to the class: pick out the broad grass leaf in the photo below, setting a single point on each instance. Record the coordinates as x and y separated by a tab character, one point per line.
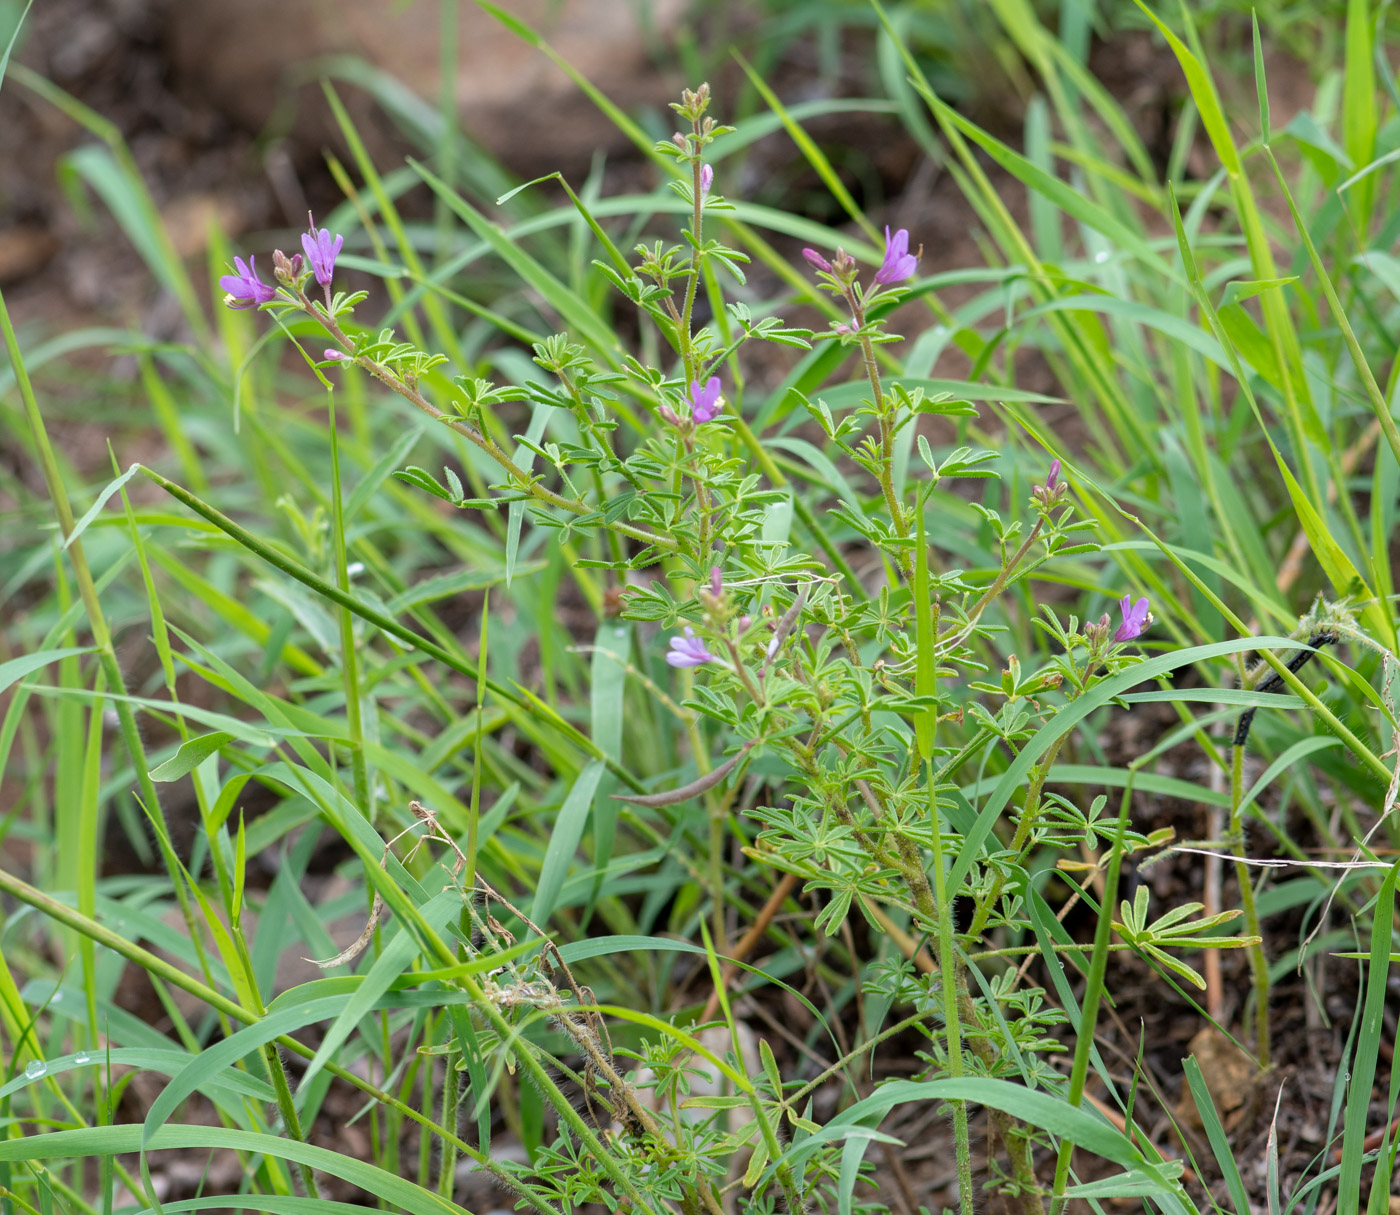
564	841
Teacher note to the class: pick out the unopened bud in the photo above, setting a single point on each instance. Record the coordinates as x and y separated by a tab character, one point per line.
286	269
844	265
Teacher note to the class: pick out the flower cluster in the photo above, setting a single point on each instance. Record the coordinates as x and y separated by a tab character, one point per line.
899	264
1053	491
246	290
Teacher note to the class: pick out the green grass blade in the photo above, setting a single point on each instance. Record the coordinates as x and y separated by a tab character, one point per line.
1219	1143
564	841
1368	1043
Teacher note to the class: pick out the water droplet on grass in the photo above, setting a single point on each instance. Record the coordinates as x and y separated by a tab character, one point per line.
35	1068
82	1057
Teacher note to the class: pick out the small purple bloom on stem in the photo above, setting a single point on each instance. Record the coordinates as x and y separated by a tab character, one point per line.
321	251
899	263
716	581
705	403
688	651
668	414
1136	618
707	179
1053	479
245	289
817	260
338	356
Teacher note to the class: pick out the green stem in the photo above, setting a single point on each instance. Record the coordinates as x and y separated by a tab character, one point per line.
287	1107
349	662
1093	990
693	283
1030	812
886	474
948	968
1258	963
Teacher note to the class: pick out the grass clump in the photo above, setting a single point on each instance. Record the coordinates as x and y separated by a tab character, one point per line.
682	724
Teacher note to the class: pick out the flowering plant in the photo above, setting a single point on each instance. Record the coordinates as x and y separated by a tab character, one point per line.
831	656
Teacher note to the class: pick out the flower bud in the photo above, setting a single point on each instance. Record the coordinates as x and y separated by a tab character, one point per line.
1054	490
286	269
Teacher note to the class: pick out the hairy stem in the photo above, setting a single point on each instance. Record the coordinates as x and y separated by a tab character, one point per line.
1258	963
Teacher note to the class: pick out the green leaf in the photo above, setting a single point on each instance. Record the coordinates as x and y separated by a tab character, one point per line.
1204	95
17	668
1089	1131
96	508
191	754
1368	1041
564	841
114	1140
377	475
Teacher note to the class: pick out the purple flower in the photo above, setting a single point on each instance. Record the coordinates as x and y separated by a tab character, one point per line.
705	403
245	289
899	263
1054	478
688	651
1136	618
817	260
707	179
716	581
321	250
